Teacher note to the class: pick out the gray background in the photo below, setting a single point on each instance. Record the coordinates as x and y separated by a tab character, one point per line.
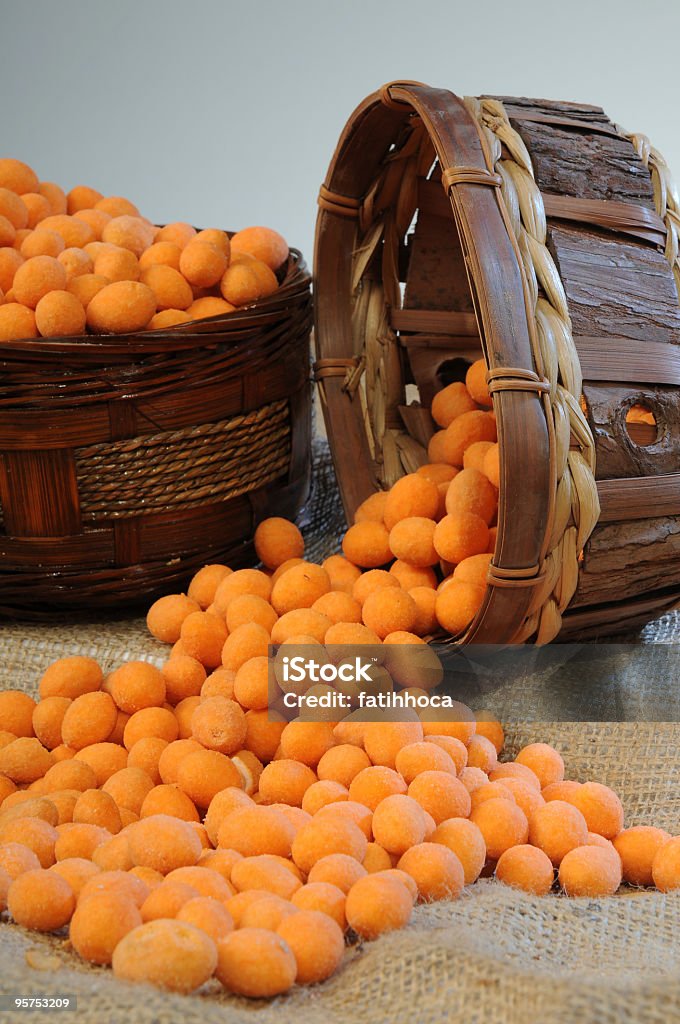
226	113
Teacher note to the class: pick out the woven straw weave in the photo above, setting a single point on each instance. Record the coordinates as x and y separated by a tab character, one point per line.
494	956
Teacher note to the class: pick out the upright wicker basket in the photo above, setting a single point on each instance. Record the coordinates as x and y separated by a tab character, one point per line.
127	462
548	238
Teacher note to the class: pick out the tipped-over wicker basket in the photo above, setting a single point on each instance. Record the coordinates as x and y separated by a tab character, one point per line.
548	238
127	462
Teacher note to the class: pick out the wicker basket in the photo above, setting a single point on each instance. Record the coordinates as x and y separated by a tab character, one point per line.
128	462
548	238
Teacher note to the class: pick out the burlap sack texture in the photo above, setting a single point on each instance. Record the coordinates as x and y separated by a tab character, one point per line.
493	956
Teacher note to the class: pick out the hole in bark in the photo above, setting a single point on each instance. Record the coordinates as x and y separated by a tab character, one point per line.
641	425
452	370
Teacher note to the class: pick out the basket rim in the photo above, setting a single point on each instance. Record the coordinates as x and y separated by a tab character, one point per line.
296	283
503	310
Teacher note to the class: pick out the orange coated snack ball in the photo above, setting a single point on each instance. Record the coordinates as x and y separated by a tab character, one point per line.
367	544
307	742
80	840
168	318
206	773
42	243
184	677
272	874
209	915
601	808
300	587
544	761
172	756
179	232
473	457
263	734
166	900
128	232
16	713
7	232
384	740
16	859
590	871
502	823
13	209
121	308
166	615
169	800
450	402
16	321
285	782
511	769
95	219
471	492
70	677
75	262
243	581
137	685
526	796
255	962
457	605
204	584
76	871
410	576
41	900
342	574
398	823
264	244
89	719
370	582
250	608
36	277
377	904
251	686
203	636
463	432
637	848
165	254
172	955
122	883
150	722
425	599
118	265
556	828
492	467
666	865
202	264
317	943
338	606
460	535
342	763
323	897
372	785
219	724
417	758
323	836
82	197
100	922
163	843
481	753
59	314
254	830
10	261
526	867
146	755
95	807
437	871
338	870
17	176
129	788
473	569
388	610
454	747
24	760
475	382
168	286
301	626
441	794
412	495
412	541
465	839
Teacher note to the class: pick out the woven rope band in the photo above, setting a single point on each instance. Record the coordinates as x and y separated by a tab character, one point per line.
513	378
341	206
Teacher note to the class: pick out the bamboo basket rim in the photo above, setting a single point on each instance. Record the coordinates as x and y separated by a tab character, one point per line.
357	211
295	282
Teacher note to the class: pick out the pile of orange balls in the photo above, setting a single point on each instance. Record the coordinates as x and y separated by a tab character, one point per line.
181	829
80	261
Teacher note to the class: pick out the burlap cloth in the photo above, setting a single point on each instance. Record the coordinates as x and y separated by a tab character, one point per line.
494	956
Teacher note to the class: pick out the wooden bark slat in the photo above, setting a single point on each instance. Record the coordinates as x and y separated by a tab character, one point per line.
617	454
616	288
622	360
626	560
632	498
